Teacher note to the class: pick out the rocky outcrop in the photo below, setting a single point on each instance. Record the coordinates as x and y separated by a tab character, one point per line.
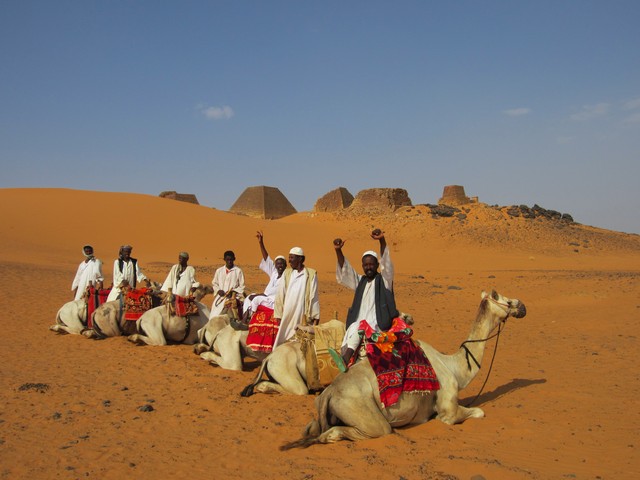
181	197
335	200
536	212
263	202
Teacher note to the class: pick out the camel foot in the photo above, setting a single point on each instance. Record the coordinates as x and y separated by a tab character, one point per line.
247	391
199	348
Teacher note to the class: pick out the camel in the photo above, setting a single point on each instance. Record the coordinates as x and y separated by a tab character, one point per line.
71	318
350	407
108	319
285	365
158	325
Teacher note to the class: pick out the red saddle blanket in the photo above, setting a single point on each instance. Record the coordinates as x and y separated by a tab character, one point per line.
262	330
136	302
95	299
185	306
399	363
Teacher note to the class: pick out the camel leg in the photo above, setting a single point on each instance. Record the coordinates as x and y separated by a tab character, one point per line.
450	412
227	354
335	434
61	329
282	368
152	326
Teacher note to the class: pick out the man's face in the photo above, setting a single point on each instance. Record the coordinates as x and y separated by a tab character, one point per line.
88	251
228	261
126	254
295	261
280	265
370	266
183	261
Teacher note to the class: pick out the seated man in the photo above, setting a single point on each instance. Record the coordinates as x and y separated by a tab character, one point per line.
227	281
89	274
373	301
126	270
274	270
182	277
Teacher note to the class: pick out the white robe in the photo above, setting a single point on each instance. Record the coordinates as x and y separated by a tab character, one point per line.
226	280
348	277
290	304
126	274
181	287
89	273
269	297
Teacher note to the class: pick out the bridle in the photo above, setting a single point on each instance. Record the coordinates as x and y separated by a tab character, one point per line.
505	307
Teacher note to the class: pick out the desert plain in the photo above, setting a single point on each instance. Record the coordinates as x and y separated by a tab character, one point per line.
561	401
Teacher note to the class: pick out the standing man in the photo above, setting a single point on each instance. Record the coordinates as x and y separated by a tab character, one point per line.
227	280
373	300
126	270
297	298
89	274
182	277
274	270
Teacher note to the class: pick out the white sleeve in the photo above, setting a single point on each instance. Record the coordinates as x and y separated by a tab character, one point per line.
346	275
386	269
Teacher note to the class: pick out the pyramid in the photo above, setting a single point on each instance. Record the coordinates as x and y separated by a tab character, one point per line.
381	199
263	202
337	199
454	195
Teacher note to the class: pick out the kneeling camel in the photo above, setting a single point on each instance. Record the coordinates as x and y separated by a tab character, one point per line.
350	407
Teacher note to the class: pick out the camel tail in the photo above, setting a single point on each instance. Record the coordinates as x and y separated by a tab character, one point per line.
248	390
302	443
323	409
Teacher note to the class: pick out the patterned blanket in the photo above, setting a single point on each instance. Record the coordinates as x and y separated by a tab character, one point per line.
185	306
136	302
262	330
398	362
95	299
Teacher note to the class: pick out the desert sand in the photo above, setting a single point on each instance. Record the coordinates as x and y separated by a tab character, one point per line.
561	400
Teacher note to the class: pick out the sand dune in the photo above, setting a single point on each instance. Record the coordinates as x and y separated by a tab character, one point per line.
560	401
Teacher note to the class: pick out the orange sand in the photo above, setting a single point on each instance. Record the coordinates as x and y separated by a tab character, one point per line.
560	402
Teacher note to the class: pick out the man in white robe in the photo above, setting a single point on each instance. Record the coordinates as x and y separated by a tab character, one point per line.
373	301
126	269
297	300
89	274
227	280
182	277
274	269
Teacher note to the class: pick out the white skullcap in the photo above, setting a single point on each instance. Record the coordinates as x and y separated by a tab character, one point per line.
280	257
370	252
296	251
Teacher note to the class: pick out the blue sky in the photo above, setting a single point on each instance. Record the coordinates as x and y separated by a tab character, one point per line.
520	102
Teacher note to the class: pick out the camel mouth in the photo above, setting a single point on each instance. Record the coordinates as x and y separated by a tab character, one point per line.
521	311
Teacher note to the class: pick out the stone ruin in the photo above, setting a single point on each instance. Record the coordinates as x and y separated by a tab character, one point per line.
181	197
335	200
389	199
454	195
263	202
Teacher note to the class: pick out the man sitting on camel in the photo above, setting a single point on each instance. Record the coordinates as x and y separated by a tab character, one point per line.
373	302
274	270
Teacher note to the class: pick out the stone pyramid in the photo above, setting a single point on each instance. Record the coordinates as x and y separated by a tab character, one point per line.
337	199
263	202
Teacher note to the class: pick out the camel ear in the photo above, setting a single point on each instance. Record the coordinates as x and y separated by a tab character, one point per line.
494	295
483	295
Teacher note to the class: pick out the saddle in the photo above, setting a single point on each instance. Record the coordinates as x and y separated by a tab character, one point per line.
136	302
183	306
315	344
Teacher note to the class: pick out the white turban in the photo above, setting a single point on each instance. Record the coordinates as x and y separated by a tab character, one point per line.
370	252
280	257
296	251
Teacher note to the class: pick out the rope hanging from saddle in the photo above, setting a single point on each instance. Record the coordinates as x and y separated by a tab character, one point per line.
230	303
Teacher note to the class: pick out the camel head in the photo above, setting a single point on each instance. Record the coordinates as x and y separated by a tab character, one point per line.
201	291
502	306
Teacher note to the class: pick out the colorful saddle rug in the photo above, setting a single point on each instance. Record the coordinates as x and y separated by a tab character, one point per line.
399	363
136	302
262	330
94	300
185	306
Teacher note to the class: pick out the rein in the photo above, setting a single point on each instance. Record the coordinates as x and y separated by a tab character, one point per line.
495	350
